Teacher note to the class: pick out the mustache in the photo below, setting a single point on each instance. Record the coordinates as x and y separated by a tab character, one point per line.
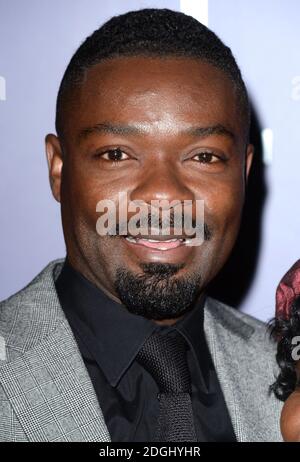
161	224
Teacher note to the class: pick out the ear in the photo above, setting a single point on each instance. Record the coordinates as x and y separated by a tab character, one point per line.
249	159
55	163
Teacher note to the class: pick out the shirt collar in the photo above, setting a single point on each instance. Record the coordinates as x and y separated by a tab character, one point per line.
112	334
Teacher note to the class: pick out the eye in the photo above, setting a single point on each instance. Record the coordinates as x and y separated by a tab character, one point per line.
114	155
206	158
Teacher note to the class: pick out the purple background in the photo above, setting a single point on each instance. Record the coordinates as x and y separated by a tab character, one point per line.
37	39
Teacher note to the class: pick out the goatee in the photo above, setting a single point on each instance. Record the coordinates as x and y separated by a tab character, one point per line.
157	293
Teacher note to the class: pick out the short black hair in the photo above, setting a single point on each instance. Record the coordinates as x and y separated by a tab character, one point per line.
283	330
152	32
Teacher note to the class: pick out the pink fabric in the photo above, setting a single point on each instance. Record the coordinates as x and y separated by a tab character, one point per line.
287	290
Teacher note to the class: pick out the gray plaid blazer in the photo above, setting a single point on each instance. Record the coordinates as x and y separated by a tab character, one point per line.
46	393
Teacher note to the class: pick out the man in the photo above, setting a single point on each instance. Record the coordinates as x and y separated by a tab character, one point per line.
118	341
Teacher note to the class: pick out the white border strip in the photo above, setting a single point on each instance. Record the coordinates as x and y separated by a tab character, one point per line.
2	88
196	8
267	142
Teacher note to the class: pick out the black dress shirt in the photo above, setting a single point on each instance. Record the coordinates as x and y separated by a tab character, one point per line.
109	338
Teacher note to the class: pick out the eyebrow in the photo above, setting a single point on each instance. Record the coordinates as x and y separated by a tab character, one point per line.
116	129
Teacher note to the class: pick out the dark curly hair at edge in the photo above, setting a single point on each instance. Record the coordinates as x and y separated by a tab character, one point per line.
282	331
154	33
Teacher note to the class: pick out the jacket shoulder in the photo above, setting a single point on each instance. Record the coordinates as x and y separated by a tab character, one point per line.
29	315
240	324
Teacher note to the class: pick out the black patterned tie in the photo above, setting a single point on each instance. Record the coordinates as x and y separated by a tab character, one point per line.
164	357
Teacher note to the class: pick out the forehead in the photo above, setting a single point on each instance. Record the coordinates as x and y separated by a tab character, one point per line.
154	91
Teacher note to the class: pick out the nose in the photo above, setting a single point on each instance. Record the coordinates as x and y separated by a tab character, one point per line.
162	181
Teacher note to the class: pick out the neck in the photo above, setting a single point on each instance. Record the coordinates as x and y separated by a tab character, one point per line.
167	322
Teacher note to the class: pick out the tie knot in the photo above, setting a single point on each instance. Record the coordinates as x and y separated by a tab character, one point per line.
164	357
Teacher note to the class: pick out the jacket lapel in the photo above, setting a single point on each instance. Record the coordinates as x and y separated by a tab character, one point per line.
51	393
245	368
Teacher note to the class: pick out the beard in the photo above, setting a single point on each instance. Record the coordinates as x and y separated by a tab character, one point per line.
157	293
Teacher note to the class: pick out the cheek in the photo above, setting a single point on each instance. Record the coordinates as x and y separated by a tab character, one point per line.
223	207
78	205
223	215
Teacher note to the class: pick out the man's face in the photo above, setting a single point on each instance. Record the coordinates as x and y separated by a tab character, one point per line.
158	154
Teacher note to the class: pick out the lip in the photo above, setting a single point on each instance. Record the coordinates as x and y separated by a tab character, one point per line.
160	250
156	244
